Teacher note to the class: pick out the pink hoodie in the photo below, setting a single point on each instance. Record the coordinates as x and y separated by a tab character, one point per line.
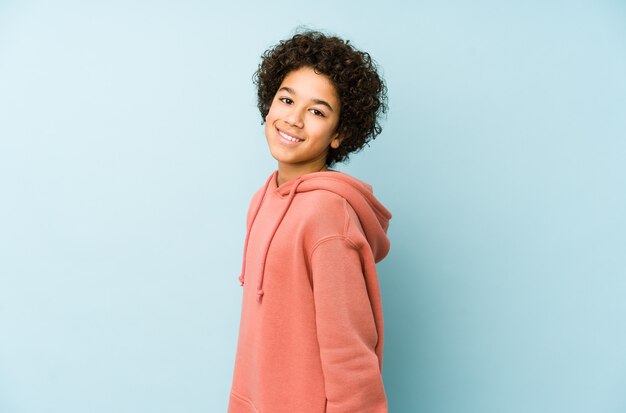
311	330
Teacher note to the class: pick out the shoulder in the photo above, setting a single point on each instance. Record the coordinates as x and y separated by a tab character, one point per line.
322	207
254	204
325	215
256	197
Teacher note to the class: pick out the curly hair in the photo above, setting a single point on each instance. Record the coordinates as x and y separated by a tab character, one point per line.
362	91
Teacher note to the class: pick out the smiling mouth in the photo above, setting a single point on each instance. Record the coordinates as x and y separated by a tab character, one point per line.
289	137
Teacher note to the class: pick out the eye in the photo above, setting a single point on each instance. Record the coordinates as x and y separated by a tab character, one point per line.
317	112
286	100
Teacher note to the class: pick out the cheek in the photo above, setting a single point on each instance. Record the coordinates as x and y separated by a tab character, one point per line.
270	117
273	109
269	126
325	130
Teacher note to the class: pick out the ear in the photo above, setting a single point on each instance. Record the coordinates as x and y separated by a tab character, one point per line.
336	141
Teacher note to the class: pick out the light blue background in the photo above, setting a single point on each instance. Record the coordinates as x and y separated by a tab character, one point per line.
130	145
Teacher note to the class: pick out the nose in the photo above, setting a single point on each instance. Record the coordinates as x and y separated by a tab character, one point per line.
295	118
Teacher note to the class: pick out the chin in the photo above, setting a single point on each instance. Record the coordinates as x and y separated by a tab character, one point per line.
280	157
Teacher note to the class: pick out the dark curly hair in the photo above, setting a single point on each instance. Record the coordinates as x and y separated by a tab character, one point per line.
362	91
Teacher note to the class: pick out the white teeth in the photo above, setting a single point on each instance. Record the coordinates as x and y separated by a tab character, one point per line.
289	138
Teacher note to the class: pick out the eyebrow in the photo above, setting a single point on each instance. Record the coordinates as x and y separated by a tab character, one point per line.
316	101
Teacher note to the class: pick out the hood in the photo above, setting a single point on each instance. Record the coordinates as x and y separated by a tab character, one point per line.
373	216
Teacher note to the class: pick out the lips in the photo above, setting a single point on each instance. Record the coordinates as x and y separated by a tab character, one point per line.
288	138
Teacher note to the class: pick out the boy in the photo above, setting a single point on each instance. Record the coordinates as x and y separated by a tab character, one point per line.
311	330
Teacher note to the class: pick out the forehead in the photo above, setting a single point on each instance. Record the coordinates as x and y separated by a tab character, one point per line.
308	84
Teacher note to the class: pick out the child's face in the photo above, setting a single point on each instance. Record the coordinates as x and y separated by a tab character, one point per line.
302	121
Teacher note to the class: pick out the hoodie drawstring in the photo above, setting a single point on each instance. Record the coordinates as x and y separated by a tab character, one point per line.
242	276
292	194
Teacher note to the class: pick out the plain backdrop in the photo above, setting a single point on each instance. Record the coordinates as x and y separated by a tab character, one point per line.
130	145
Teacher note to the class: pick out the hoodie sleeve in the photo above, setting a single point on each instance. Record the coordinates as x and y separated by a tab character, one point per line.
346	330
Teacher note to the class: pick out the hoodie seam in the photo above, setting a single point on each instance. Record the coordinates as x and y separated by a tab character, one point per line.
331	238
347	217
245	400
344	236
